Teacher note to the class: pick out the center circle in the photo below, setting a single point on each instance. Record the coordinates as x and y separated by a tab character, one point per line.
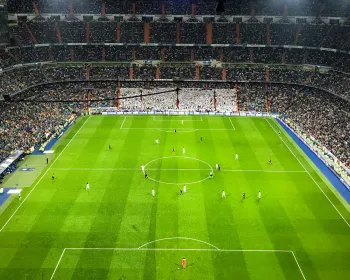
183	164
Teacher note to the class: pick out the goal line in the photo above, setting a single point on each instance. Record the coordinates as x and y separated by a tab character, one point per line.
177	118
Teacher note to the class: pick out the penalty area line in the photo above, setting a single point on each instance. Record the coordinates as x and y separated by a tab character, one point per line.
49	168
298	265
232	124
121	126
58	263
215	249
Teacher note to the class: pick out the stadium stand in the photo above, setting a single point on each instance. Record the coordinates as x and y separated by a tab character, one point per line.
71	48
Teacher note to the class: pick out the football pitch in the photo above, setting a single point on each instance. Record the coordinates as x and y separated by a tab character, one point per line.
298	229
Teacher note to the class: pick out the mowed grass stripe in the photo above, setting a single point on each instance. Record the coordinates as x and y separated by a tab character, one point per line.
248	221
150	264
221	219
106	222
244	138
277	150
97	183
286	236
167	215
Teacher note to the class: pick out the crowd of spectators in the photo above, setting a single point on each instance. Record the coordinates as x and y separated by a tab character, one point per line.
92	53
21	78
310	35
179	7
317	112
25	125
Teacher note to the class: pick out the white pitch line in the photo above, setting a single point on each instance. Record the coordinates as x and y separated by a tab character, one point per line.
179	237
178	249
180	169
232	124
133	169
37	183
174	249
298	265
309	175
265	171
59	261
180	130
121	126
177	120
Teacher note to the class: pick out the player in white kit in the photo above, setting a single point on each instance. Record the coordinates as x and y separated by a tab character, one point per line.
185	188
157	141
223	195
143	169
236	156
183	150
259	195
87	186
153	192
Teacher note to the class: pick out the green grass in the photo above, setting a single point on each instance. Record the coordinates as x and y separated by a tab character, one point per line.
64	231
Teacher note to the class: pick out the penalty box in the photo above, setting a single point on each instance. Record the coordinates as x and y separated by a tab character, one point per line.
162	263
179	123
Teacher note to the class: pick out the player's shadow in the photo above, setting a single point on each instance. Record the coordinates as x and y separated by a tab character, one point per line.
178	265
135	228
150	194
187	266
223	198
258	200
247	196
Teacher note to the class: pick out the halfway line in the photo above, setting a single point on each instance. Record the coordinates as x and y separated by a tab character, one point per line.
179	169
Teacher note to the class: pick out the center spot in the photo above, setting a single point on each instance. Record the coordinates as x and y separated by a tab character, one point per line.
178	170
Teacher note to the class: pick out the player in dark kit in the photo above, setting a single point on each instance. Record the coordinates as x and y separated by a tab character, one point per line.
53	177
201	138
146	175
243	196
180	192
270	161
175	130
109	147
47	160
173	150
